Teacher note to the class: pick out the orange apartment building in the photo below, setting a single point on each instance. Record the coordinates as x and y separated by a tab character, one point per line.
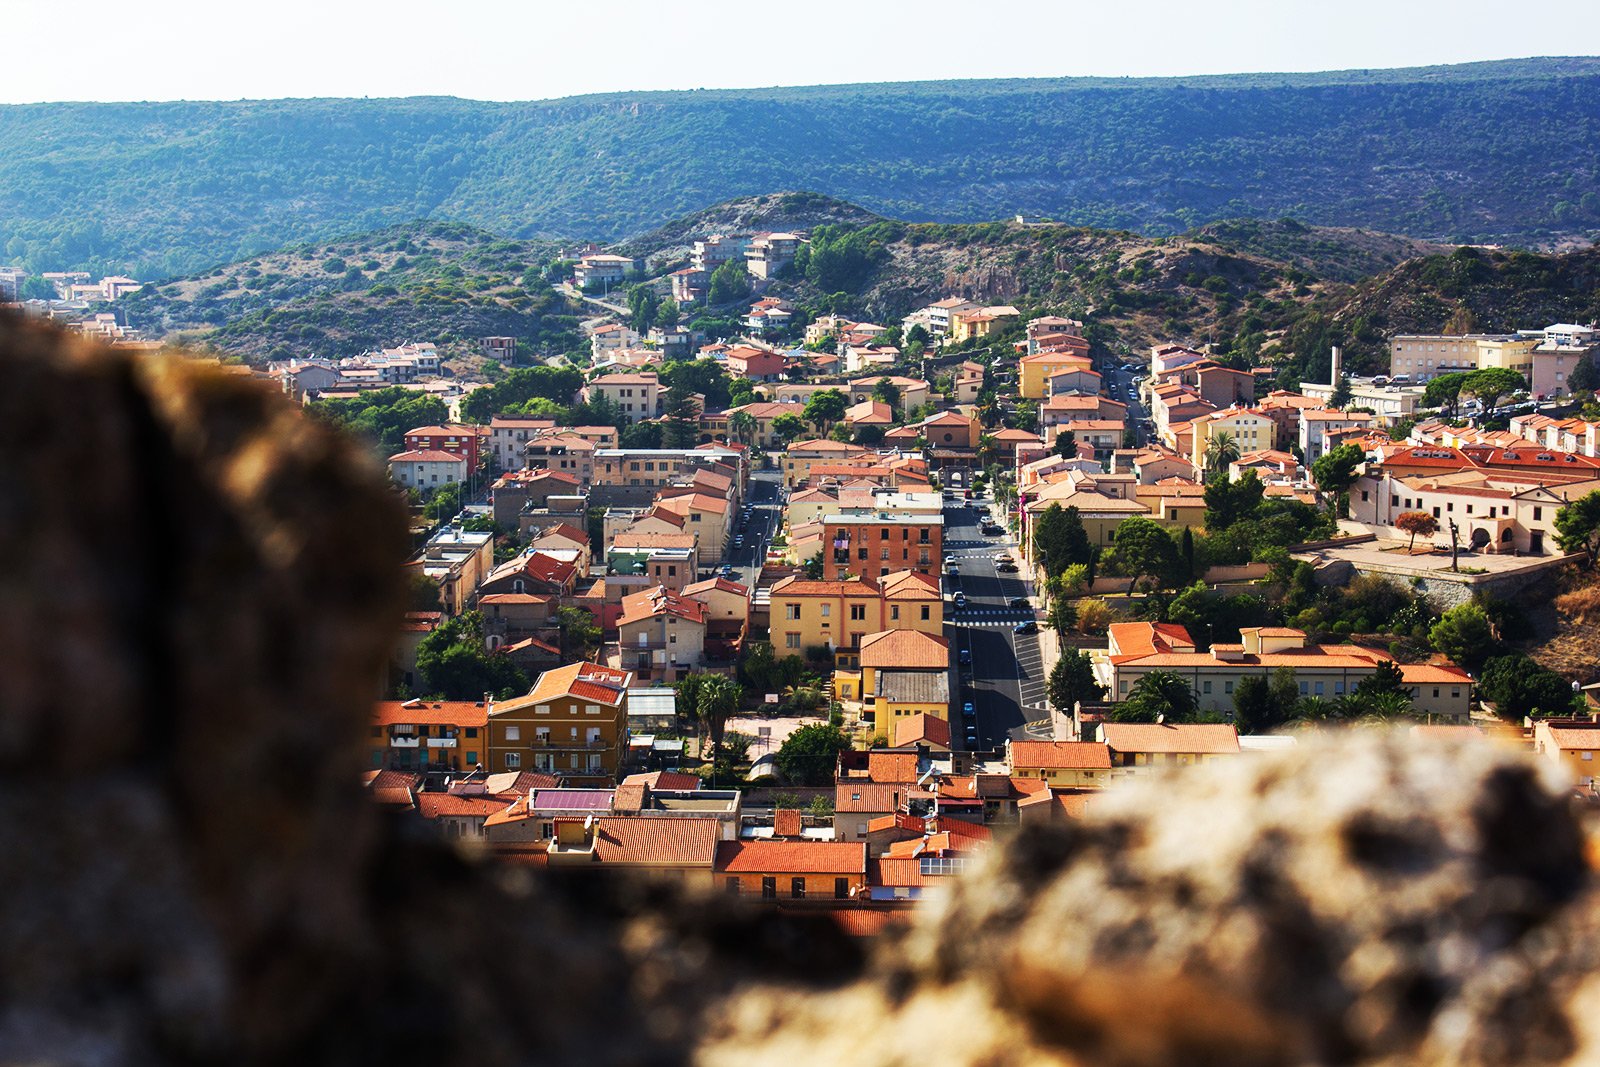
833	872
573	722
871	544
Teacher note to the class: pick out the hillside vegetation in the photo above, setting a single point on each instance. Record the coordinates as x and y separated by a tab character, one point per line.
428	281
1496	151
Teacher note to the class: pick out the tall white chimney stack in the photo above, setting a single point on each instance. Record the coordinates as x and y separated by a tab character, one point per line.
1336	367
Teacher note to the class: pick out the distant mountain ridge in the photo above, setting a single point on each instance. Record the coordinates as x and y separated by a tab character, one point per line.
1494	151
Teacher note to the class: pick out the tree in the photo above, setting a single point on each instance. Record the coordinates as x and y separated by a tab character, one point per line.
1063	615
886	392
1059	539
813	568
1585	377
810	754
680	421
1444	391
1160	696
422	592
1142	548
1491	383
1519	687
1578	526
667	313
1227	502
1463	633
1417	522
1336	470
1221	450
729	282
1387	678
1260	705
643	304
1067	444
825	408
1093	617
1340	397
580	633
743	426
454	664
641	435
715	699
1072	681
788	427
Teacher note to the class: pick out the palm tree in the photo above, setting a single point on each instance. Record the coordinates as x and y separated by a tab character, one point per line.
718	697
1221	450
743	425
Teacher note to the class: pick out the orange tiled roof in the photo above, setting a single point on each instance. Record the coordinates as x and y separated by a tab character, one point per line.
438	805
929	729
891	767
1061	755
1201	738
904	650
655	842
789	857
430	713
590	681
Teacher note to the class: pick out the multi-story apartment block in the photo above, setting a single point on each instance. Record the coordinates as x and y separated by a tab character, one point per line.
574	722
714	251
636	396
459	440
422	735
871	544
807	614
601	271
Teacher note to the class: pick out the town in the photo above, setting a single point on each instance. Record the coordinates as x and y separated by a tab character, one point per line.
815	611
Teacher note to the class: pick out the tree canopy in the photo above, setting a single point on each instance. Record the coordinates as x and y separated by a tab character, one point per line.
809	755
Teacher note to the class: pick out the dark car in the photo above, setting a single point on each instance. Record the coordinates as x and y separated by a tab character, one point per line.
1029	627
1006	568
972	737
965	658
727	571
969	714
1019	602
992	529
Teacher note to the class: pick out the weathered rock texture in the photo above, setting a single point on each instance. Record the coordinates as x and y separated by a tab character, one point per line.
199	588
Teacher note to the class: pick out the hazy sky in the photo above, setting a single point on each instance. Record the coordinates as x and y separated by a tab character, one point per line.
531	49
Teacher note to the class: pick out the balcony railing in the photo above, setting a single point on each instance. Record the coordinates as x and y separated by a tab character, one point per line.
442	742
401	741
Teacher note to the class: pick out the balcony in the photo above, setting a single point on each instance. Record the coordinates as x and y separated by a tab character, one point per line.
403	741
442	742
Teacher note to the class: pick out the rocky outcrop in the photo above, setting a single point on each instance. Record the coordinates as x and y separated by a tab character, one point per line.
200	587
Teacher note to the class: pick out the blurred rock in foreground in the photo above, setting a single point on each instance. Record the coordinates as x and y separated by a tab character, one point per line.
199	588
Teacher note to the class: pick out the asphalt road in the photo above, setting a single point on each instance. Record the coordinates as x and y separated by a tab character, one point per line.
1005	679
1120	386
766	512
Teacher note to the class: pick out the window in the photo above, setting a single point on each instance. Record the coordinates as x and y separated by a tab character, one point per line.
513	761
791	640
732	886
541	709
861	553
1227	687
472	731
925	613
1538	513
827	609
769	888
791	612
894	611
1305	690
472	759
797	888
591	709
1586	756
859	612
1436	691
841	888
513	733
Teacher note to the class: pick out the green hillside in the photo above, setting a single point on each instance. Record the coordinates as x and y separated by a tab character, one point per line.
424	281
1498	151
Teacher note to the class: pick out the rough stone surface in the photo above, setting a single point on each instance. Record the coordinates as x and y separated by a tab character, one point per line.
198	588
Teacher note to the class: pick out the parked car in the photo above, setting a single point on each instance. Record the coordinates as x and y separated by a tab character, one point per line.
1007	567
969	714
1029	627
1019	602
727	570
965	657
991	529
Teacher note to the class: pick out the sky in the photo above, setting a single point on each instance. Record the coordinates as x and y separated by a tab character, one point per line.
538	49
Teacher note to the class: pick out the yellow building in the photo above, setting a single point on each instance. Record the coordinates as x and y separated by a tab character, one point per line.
801	456
1571	744
904	673
1036	371
574	721
1064	764
806	614
1249	429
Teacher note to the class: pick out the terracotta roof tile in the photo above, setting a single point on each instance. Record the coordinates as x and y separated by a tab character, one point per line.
791	857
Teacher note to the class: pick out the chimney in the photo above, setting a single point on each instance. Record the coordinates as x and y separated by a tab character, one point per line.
1336	367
